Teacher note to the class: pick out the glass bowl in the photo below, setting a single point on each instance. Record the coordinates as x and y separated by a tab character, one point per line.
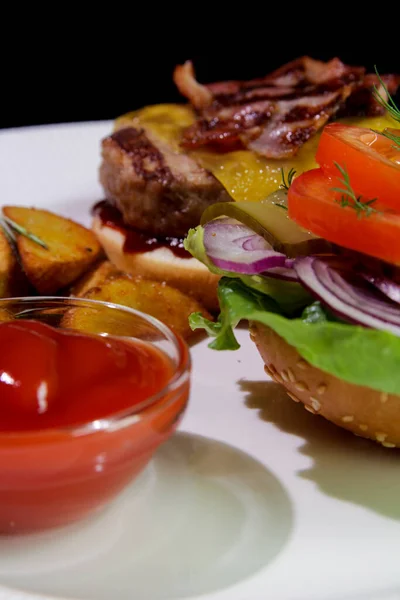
55	476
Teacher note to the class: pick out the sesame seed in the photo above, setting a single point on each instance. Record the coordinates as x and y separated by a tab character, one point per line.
301	386
291	376
363	427
252	337
321	389
293	397
277	377
384	397
316	404
267	370
347	418
388	445
302	364
310	409
284	376
272	368
380	437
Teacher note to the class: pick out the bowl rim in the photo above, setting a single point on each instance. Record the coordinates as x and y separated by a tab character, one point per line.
126	417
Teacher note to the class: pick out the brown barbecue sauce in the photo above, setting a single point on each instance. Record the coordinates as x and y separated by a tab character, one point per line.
135	240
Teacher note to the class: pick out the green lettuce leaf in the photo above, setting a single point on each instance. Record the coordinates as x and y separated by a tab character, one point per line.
194	244
316	313
355	354
231	313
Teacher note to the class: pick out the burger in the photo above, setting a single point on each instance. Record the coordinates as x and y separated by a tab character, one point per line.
163	166
314	269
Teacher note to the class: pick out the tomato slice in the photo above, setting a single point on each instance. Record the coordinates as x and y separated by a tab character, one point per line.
371	160
313	205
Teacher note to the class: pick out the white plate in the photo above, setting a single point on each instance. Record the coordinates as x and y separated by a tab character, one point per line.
253	498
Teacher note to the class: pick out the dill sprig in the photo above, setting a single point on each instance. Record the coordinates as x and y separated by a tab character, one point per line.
285	185
391	136
388	103
9	226
391	107
363	208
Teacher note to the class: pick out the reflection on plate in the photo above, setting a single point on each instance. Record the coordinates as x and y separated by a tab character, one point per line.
202	517
254	498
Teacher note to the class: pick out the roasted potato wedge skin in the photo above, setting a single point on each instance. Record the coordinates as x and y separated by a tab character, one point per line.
165	303
96	276
6	315
71	248
13	281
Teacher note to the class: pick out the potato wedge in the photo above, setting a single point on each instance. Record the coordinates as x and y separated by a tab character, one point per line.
96	275
161	301
13	281
71	248
6	315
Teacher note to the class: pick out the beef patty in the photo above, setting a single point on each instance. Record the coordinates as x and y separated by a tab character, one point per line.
157	188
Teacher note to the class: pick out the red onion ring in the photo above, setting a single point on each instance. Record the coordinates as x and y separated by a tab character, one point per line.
233	247
352	300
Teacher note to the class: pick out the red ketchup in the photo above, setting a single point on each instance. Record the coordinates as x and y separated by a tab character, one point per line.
57	461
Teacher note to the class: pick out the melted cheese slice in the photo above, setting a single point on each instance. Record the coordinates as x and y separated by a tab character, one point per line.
245	175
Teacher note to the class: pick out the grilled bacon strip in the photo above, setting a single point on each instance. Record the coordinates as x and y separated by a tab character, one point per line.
293	123
185	80
274	115
362	101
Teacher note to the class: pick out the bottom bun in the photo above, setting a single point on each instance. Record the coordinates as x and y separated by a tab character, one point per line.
186	274
362	410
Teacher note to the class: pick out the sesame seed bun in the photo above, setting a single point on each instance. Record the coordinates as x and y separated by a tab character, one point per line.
186	274
362	410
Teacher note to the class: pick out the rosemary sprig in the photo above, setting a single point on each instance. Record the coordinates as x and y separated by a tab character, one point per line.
285	185
11	240
388	103
349	198
8	233
8	226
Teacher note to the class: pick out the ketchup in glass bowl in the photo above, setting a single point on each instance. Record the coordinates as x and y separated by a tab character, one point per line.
88	391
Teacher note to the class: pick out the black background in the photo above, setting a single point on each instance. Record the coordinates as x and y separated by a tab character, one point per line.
73	69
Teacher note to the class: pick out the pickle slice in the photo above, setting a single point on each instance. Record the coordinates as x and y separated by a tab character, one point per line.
269	218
